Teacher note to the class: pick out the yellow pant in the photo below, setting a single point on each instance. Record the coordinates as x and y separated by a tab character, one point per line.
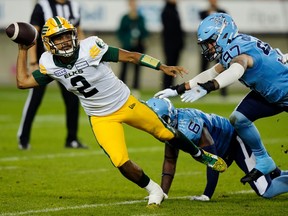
109	131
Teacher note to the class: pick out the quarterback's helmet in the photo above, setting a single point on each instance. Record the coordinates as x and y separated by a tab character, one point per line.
219	28
164	109
55	26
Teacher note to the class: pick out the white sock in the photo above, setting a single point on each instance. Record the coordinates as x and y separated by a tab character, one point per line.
151	186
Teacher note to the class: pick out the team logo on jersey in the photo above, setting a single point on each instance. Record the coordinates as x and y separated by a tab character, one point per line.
100	43
73	73
60	72
81	65
94	51
132	105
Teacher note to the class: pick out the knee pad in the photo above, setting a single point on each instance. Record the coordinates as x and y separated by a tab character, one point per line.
238	120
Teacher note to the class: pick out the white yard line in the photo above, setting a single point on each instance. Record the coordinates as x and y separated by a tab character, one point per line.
100	152
76	154
86	206
8	167
70	208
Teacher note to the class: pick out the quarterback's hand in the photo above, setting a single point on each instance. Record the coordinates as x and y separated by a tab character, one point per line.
173	70
166	93
200	198
25	47
193	94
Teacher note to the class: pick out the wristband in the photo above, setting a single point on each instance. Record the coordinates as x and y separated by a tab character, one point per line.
208	86
149	61
179	88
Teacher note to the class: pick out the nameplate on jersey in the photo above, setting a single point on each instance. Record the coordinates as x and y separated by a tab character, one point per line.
81	65
61	72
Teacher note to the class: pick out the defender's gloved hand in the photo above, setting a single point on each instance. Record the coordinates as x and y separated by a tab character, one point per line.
193	94
166	93
171	92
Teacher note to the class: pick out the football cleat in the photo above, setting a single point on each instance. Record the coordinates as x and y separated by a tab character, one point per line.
212	161
253	175
165	197
156	197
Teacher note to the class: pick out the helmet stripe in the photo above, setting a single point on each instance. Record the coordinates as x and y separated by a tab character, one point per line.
58	21
44	30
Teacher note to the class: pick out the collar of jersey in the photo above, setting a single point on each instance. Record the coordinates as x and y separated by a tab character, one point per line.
74	58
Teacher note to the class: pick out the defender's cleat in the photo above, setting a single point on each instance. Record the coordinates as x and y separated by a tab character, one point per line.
253	175
212	161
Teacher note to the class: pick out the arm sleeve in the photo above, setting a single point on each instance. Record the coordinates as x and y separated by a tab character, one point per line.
203	77
112	55
229	76
40	78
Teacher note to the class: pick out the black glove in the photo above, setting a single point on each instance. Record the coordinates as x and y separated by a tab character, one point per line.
179	88
208	86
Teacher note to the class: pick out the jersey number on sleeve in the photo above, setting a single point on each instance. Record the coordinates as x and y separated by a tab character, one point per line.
231	53
194	127
264	47
85	85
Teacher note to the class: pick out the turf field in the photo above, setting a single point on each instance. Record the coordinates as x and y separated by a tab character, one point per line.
51	180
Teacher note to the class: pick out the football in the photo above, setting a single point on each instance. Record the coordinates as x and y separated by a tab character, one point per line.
22	33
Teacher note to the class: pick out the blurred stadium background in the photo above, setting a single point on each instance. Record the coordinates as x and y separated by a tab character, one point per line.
51	180
265	19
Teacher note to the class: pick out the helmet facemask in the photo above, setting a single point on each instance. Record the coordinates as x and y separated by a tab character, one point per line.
213	52
65	53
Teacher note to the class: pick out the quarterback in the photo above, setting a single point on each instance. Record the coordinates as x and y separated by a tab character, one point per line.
255	64
83	68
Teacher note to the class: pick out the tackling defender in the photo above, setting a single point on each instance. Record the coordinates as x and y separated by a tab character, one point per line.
254	63
216	135
83	68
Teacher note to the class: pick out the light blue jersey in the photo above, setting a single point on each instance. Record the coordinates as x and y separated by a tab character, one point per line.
228	144
192	121
268	76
